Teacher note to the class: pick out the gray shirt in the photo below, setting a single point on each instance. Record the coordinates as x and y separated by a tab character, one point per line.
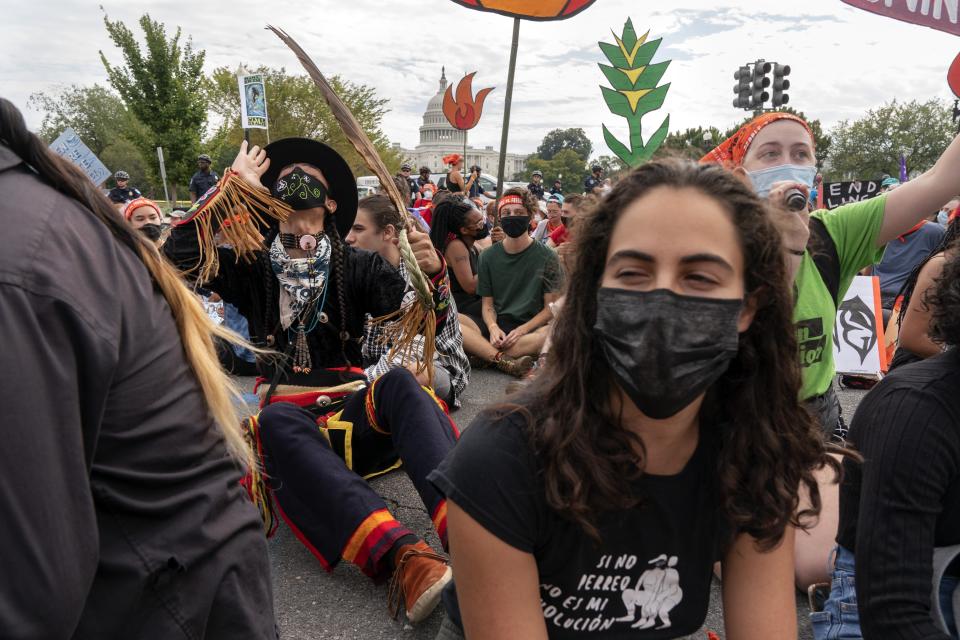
121	513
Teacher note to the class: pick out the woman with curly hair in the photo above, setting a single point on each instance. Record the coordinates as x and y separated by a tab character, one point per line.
903	502
664	434
913	331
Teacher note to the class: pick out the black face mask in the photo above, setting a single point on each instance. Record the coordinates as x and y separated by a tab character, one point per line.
482	232
515	226
151	231
300	190
663	348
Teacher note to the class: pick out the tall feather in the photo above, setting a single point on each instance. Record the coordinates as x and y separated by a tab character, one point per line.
351	128
401	327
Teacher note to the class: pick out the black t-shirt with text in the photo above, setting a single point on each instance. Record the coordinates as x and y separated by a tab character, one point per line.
648	578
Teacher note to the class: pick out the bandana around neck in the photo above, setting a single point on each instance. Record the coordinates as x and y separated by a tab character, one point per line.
302	280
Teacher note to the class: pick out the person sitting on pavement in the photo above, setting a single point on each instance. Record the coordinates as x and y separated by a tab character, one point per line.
122	511
517	279
901	257
144	215
903	501
824	250
122	193
325	426
376	228
457	227
203	180
913	324
553	222
621	476
535	188
593	185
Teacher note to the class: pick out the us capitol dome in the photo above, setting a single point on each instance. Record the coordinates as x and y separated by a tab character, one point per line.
439	138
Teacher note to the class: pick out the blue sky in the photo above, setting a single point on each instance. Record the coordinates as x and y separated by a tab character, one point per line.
844	60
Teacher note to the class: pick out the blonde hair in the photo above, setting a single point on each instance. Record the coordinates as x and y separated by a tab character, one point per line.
195	329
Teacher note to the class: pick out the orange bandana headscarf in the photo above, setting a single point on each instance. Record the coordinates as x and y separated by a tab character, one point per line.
133	205
731	152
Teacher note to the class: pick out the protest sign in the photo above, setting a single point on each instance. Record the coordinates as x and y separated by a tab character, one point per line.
530	9
858	342
838	193
634	78
941	15
253	102
70	146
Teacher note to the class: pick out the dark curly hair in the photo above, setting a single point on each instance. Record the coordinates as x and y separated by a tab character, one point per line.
944	301
768	446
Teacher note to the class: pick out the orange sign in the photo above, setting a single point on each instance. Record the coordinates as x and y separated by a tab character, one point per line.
464	113
530	9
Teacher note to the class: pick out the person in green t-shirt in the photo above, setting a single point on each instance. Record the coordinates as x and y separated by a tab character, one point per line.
824	250
517	280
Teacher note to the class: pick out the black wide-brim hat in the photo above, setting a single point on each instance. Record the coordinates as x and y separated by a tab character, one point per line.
342	184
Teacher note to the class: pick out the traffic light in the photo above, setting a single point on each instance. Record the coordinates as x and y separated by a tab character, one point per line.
780	85
760	83
742	88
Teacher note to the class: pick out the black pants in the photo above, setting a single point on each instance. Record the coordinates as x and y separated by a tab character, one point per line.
317	478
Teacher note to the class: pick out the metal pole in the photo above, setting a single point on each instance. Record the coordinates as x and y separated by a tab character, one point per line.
506	111
163	174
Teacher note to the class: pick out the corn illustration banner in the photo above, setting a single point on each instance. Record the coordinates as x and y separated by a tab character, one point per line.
634	78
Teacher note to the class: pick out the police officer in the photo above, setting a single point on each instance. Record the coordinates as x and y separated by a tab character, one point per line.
536	187
123	192
203	179
594	183
405	169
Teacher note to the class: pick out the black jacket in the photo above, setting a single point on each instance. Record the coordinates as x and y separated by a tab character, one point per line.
371	285
122	516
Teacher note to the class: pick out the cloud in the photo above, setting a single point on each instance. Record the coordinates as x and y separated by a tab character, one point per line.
844	60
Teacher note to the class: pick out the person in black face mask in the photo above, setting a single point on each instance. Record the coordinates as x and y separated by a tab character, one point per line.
517	280
144	216
457	225
663	434
285	211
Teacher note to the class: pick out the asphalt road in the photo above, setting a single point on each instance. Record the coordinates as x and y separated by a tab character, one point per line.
346	605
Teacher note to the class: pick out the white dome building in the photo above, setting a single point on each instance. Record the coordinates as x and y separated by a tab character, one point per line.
439	138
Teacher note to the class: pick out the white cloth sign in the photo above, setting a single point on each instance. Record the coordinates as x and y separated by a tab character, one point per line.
858	331
253	102
70	146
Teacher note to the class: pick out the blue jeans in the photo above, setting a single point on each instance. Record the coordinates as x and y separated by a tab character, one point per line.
840	619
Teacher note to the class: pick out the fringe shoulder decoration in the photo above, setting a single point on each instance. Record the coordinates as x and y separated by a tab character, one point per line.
237	211
410	320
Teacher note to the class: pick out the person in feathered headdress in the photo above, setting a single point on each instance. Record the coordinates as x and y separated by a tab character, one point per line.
269	239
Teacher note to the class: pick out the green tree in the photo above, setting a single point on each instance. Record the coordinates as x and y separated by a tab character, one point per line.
103	123
295	108
162	86
870	147
560	139
692	144
566	166
612	166
822	141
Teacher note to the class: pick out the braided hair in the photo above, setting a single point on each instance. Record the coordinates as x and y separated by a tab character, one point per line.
338	267
950	239
449	216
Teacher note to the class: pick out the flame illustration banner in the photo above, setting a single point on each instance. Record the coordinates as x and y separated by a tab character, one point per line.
530	9
942	15
464	112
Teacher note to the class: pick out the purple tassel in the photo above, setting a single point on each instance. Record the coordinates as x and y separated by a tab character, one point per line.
903	168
